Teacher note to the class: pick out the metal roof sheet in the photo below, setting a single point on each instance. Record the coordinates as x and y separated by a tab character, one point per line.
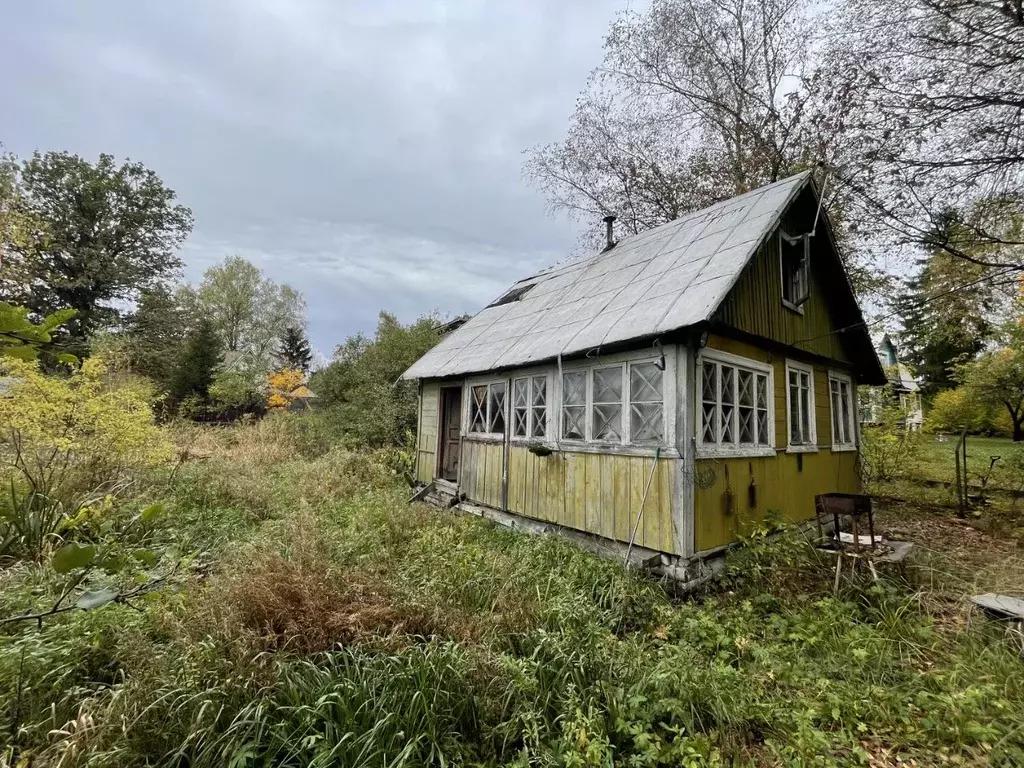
666	278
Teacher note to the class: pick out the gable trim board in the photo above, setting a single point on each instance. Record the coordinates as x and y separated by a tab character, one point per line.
705	286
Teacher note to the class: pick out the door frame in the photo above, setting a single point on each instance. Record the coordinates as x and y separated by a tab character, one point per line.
442	429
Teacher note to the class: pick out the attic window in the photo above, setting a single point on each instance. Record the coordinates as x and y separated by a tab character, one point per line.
795	256
515	294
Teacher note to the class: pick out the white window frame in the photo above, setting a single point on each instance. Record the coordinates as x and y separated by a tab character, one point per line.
549	394
784	236
851	444
622	361
812	445
731	450
467	409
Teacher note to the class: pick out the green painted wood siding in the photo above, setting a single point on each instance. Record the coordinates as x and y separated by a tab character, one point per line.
755	304
786	483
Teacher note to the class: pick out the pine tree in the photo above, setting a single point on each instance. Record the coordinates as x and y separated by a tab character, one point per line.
198	363
294	351
945	314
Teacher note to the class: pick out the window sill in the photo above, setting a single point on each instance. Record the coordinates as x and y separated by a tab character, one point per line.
844	448
616	449
752	452
802	449
484	437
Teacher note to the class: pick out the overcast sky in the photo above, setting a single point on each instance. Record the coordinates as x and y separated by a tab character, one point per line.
368	152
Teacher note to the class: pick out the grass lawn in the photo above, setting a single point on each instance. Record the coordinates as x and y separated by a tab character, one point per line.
319	620
937	460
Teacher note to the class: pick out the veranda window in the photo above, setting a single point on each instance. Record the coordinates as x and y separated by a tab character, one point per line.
735	409
487	409
529	407
800	406
646	403
622	403
844	435
574	406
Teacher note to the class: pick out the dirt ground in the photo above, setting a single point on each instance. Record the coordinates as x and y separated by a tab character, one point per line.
952	556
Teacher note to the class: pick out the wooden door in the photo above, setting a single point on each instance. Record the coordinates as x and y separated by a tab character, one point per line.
451	432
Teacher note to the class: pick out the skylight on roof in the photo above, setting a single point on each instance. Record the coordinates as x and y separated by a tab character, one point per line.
515	294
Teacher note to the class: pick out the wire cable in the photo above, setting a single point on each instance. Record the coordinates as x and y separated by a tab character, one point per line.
920	303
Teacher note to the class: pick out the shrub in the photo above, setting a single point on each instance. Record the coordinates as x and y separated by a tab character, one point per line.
67	441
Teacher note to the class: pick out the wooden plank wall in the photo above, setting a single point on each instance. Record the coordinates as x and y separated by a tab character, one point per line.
480	476
597	493
426	440
781	484
755	304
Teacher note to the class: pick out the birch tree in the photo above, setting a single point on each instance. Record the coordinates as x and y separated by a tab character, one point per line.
695	101
939	119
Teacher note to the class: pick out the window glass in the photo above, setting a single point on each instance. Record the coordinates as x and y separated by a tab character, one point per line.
529	407
734	405
520	407
607	405
843	428
574	405
496	408
539	407
478	409
646	403
800	407
709	402
795	269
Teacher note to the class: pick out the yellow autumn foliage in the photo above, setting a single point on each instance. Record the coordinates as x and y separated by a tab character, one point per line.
83	420
281	383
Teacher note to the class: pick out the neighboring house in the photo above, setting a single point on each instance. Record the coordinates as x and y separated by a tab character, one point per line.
704	372
904	387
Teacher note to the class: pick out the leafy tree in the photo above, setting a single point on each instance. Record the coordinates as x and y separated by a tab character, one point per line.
934	105
954	410
282	383
110	232
696	101
155	333
363	380
198	364
997	376
21	338
236	391
249	311
294	351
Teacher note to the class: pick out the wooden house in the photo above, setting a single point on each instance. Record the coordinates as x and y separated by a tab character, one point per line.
668	391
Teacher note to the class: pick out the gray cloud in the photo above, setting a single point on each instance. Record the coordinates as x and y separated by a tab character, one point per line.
367	152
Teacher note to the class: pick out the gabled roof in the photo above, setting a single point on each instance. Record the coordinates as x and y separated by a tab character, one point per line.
661	280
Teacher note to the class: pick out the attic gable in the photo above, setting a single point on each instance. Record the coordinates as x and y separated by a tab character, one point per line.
829	324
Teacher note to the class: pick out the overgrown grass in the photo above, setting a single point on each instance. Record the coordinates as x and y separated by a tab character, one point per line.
326	622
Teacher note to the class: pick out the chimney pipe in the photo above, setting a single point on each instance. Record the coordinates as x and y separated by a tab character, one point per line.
609	220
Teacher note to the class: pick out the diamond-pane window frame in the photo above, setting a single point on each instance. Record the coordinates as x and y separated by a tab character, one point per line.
738	422
606	414
604	407
488	408
529	407
646	383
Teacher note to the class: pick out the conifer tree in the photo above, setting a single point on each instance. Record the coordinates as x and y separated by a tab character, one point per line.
294	351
